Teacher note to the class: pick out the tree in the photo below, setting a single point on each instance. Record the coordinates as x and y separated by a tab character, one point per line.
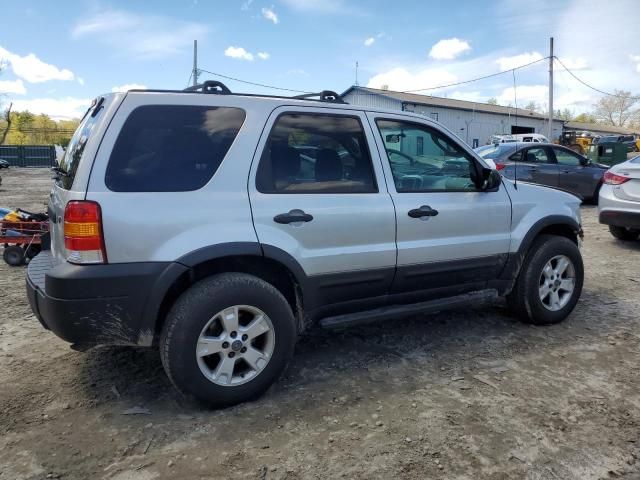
492	101
565	114
532	106
618	109
7	122
585	118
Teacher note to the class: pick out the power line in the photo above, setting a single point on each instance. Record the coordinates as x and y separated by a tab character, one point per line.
252	83
591	86
475	79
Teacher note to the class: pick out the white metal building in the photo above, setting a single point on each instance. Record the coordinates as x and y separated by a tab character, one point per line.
473	122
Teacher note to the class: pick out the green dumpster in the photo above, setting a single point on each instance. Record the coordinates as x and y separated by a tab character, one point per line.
608	153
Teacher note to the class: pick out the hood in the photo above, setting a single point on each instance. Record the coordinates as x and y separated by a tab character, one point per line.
543	193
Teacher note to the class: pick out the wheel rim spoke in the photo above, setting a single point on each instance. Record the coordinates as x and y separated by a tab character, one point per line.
554	300
224	372
229	319
256	328
562	265
255	358
548	270
544	291
209	346
567	284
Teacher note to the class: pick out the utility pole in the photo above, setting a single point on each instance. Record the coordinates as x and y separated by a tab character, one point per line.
195	63
356	72
550	136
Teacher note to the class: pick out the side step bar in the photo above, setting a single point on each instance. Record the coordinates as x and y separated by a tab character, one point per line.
475	299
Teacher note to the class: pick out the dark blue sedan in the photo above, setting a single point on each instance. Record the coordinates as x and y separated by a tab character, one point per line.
547	164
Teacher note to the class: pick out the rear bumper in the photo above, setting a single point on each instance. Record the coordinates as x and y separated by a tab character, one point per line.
97	304
618	218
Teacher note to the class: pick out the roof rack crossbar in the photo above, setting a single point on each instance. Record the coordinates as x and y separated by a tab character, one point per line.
210	86
324	96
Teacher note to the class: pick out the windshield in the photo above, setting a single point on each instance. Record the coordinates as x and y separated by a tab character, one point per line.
73	154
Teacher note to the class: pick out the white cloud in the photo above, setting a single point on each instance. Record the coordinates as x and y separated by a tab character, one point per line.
401	79
508	63
264	55
449	48
270	15
57	108
320	6
636	59
239	53
128	86
32	69
81	81
575	63
525	94
246	5
140	36
369	41
15	87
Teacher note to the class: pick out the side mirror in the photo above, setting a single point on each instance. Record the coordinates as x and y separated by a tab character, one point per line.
491	180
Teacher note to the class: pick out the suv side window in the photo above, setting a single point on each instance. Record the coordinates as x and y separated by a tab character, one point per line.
536	155
439	165
316	153
567	158
171	148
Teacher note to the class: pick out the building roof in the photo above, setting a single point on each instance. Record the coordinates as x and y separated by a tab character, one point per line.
447	102
597	127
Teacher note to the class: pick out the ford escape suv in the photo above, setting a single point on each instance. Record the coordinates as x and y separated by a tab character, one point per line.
218	226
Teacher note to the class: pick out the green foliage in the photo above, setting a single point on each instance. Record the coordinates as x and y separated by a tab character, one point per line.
585	118
29	129
492	101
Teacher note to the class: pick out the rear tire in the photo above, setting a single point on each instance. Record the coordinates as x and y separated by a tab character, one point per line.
13	255
544	292
212	328
623	233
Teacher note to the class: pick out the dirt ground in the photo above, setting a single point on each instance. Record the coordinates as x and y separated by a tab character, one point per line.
462	395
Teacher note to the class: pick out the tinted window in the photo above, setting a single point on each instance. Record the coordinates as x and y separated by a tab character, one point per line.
73	154
536	155
563	157
309	153
442	165
171	148
496	150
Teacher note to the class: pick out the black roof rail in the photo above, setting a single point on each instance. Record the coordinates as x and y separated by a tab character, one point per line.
324	96
210	86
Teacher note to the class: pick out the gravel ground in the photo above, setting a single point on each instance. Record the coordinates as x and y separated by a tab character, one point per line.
459	395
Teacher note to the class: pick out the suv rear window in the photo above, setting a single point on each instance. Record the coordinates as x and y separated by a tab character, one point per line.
171	148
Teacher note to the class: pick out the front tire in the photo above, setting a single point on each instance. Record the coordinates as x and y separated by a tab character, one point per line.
550	281
623	233
227	339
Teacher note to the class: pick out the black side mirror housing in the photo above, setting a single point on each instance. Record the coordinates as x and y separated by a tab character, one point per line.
491	180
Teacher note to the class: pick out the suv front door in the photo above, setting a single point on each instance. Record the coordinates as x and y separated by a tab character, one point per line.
450	234
317	193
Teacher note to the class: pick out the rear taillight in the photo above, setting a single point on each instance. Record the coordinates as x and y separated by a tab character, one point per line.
500	166
83	238
613	179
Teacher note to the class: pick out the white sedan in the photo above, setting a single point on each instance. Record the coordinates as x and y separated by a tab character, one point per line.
619	203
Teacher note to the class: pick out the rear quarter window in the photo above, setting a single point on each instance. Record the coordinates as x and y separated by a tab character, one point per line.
171	148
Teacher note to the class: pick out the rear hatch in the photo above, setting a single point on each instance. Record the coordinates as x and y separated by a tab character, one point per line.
72	173
629	190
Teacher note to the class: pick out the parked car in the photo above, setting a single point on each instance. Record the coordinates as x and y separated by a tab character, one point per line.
619	204
628	140
549	165
532	138
189	221
4	163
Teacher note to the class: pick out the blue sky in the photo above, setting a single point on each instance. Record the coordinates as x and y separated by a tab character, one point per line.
59	55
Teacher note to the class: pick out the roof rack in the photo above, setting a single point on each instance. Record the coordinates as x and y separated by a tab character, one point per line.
219	88
323	96
210	86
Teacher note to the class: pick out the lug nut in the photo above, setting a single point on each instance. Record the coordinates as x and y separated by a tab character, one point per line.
244	337
234	334
243	349
225	344
232	354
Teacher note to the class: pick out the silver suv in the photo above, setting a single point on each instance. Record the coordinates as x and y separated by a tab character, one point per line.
218	226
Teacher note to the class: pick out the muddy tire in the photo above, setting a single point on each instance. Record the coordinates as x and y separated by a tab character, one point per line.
227	339
13	255
623	233
550	281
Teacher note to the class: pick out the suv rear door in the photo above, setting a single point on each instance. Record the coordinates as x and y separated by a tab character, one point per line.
317	193
450	234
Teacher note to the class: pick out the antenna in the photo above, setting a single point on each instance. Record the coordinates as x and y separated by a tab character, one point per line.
515	102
